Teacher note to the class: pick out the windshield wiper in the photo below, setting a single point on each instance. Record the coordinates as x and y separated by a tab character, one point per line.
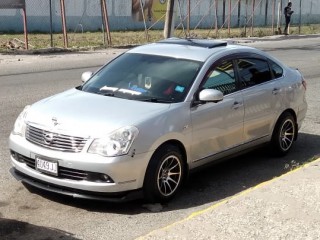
107	91
156	100
104	93
107	94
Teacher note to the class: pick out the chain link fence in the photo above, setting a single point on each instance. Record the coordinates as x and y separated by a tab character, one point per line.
138	21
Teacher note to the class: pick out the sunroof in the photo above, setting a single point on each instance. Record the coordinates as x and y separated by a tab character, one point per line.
195	42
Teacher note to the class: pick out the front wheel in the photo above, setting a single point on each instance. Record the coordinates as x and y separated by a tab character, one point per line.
164	174
284	135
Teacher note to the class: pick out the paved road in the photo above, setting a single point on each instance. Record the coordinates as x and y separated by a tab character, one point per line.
31	214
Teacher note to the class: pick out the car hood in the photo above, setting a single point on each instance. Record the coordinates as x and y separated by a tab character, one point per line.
87	114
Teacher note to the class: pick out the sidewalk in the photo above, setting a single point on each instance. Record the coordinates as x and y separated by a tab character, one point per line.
286	207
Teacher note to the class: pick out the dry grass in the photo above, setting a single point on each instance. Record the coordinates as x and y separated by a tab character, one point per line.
93	40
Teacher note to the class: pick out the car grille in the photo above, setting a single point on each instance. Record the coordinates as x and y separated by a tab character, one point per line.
66	173
54	141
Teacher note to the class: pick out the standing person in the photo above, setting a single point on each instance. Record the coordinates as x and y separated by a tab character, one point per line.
287	13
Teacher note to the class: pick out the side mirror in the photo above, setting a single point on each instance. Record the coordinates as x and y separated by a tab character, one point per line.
86	76
210	95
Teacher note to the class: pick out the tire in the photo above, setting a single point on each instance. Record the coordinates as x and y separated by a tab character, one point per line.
164	174
284	134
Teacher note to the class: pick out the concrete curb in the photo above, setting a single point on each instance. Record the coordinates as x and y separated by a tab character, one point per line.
196	220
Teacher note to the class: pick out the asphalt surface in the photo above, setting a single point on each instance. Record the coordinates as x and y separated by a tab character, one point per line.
284	207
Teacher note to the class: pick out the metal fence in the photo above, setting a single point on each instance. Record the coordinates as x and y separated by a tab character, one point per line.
249	17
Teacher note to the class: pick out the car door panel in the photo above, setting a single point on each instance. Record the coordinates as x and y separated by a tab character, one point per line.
262	98
262	104
217	127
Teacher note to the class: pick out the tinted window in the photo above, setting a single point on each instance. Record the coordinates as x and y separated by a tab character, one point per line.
143	77
253	71
221	78
277	70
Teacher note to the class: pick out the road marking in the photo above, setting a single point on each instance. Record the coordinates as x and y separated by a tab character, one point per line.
197	213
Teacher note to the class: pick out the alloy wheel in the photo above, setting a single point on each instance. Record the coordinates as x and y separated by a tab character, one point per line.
169	175
287	134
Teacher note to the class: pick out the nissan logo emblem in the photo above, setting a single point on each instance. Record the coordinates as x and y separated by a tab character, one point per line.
48	138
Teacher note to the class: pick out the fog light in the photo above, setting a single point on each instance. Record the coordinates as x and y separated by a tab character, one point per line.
99	177
105	177
15	156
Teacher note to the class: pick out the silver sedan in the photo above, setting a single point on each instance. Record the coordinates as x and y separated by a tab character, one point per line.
141	123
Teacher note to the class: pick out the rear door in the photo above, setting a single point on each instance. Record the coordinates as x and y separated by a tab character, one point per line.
262	97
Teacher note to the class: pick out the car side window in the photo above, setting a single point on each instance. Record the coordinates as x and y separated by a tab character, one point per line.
253	71
277	70
221	78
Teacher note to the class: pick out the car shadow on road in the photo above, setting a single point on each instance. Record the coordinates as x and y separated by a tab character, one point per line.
13	229
238	174
217	182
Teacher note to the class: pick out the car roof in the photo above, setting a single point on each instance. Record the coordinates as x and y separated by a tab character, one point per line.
193	49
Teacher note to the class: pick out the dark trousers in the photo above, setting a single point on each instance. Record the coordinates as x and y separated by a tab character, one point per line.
288	19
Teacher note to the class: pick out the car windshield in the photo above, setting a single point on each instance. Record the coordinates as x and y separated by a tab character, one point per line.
145	77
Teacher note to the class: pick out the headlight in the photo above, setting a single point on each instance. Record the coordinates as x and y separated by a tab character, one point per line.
20	125
116	144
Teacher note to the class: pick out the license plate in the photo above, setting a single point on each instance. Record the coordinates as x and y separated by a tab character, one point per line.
47	166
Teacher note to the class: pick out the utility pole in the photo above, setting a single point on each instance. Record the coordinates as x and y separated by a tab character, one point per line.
169	19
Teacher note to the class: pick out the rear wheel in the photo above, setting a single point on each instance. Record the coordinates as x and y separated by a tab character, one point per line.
284	135
164	174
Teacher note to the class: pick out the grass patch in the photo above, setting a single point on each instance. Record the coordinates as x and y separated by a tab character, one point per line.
94	40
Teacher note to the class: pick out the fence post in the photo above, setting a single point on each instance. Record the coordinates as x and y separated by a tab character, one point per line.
105	20
266	14
189	16
229	18
278	20
246	21
169	16
273	11
64	24
300	16
25	28
252	17
51	30
216	17
223	12
239	12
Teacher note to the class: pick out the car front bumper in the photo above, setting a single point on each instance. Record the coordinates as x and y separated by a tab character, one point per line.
126	172
75	193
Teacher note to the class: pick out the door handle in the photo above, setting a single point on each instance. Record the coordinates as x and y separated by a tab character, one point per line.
275	91
236	105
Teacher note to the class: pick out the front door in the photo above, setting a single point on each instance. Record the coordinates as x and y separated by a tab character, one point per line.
217	127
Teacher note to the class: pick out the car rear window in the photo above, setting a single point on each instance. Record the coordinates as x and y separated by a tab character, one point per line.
253	71
277	70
